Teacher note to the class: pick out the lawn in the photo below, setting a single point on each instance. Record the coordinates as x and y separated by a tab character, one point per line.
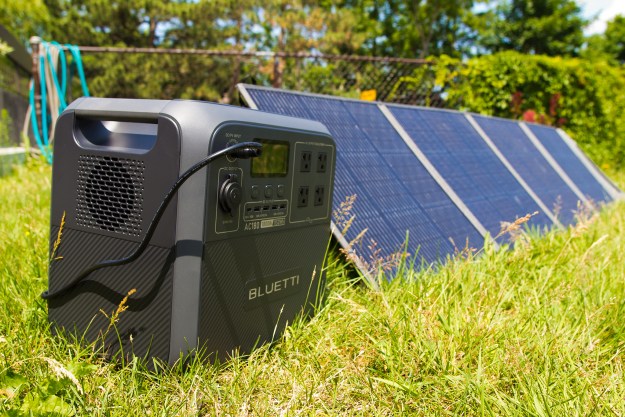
535	330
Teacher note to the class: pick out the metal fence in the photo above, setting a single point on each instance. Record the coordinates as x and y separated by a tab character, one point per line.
408	81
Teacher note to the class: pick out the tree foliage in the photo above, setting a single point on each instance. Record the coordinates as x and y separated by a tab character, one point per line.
542	27
25	18
615	38
585	98
581	95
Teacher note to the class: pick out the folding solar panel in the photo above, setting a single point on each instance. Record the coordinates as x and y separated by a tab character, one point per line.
470	166
574	168
529	162
605	181
394	192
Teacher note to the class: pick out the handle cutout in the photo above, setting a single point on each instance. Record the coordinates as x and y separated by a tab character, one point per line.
114	135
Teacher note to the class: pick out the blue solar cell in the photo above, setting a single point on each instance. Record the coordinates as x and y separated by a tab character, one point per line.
395	193
469	166
532	166
569	162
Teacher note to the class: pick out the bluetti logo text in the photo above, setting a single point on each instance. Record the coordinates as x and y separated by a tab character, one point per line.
276	287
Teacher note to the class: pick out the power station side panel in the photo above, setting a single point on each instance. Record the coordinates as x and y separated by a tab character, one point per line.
96	307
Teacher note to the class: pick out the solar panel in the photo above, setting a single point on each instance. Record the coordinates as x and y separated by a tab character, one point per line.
395	193
599	175
570	163
527	160
466	162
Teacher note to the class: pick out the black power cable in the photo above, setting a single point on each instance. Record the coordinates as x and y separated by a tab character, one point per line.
240	150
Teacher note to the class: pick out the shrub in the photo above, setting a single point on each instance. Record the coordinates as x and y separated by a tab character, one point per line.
587	99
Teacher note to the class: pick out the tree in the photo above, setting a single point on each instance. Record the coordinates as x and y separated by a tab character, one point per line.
615	38
146	23
548	27
417	28
25	18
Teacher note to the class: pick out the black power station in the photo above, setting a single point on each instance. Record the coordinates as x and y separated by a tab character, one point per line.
214	259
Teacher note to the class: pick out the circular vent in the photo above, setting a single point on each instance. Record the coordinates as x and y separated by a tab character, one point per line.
110	194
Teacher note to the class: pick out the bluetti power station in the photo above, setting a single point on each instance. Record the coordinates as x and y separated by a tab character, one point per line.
212	220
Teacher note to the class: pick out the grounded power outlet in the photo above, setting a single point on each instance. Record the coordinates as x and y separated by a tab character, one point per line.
305	161
322	162
302	196
319	193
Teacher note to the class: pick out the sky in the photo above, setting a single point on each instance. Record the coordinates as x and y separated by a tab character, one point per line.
604	10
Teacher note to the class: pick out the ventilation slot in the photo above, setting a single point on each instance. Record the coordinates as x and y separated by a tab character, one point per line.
110	194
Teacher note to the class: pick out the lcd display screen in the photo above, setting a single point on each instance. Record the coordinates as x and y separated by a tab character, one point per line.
273	160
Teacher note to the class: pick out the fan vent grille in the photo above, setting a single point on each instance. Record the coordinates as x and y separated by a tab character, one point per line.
110	194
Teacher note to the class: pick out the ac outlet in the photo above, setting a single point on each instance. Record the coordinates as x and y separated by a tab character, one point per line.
305	161
322	161
302	196
319	195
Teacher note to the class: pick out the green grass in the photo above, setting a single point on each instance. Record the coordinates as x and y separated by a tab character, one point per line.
537	330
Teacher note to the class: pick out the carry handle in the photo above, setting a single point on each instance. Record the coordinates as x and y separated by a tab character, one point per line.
117	125
120	109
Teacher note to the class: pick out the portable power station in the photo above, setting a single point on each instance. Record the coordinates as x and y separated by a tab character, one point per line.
160	256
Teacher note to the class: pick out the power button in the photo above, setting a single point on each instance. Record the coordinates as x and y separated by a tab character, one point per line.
255	192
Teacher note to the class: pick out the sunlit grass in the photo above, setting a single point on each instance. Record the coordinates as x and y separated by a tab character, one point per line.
536	330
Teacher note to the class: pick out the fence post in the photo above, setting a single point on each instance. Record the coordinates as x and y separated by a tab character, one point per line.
35	41
277	72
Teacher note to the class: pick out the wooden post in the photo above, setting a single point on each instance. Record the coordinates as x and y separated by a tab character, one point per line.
35	41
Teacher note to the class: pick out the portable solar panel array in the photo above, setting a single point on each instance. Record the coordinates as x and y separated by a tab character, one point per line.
433	182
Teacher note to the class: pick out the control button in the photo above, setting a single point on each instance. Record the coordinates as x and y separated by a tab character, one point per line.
255	192
268	191
280	191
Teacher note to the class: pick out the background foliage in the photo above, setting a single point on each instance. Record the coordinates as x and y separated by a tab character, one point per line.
587	99
472	41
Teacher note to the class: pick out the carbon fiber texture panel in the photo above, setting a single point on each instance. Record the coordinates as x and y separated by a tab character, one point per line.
145	326
569	162
395	193
470	167
227	317
527	160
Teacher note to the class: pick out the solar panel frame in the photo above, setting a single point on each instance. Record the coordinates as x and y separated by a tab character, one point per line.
583	178
432	169
455	169
556	166
509	137
511	168
397	218
599	175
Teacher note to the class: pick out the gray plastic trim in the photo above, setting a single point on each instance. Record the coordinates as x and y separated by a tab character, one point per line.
433	171
554	164
188	264
513	171
614	192
120	108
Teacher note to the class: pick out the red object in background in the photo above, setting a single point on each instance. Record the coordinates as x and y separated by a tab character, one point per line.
529	116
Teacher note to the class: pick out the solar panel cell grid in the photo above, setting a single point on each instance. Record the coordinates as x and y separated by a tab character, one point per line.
569	162
527	160
469	166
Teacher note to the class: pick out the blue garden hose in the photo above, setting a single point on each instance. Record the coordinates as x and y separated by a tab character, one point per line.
44	107
42	138
33	120
81	73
